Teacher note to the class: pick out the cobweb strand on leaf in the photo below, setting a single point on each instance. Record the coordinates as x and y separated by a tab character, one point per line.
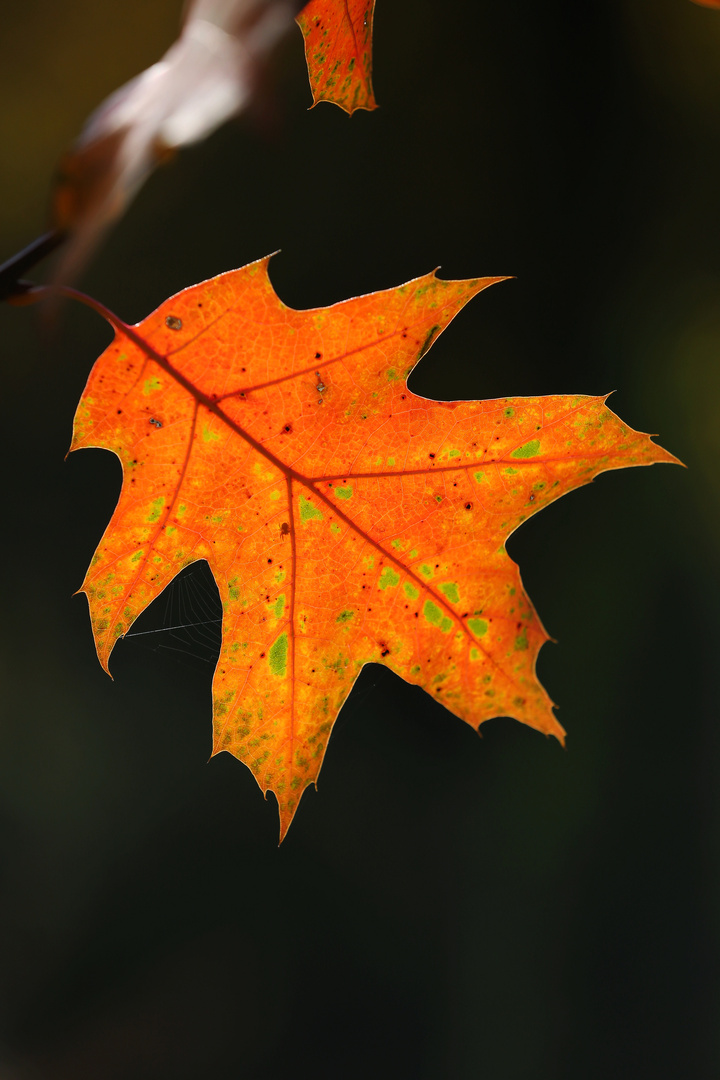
185	624
185	621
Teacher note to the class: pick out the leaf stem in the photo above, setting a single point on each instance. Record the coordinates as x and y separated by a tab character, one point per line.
32	294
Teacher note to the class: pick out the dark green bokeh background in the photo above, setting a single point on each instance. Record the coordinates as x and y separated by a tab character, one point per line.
444	906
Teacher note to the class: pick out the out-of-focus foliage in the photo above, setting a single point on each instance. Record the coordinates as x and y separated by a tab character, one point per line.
338	49
207	76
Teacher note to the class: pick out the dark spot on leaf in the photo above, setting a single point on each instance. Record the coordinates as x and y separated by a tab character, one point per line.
173	323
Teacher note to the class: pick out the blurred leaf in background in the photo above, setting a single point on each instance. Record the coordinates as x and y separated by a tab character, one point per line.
205	77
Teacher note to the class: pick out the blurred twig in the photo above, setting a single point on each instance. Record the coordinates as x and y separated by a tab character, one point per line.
11	283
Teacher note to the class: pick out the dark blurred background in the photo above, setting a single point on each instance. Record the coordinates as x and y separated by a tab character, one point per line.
445	906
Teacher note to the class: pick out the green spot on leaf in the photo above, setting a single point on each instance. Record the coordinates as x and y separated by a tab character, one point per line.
530	449
208	435
344	492
435	617
451	591
479	627
157	505
410	591
432	613
277	657
388	579
308	511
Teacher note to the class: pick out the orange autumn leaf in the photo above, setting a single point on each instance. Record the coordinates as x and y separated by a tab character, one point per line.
708	3
338	50
345	519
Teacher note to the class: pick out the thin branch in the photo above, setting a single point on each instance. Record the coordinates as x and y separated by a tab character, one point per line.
11	284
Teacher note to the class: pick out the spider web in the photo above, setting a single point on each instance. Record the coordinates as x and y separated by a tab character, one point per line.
184	622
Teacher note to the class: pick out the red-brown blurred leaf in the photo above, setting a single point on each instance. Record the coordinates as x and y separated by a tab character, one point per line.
338	50
345	519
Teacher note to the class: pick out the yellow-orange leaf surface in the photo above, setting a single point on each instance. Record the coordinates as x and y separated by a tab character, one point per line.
345	519
338	50
708	3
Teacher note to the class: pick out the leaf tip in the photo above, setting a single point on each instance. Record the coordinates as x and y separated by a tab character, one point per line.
286	815
551	728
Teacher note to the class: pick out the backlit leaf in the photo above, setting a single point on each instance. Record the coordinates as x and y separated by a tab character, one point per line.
344	518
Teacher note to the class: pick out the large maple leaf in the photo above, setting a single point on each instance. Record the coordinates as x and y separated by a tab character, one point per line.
344	518
338	50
